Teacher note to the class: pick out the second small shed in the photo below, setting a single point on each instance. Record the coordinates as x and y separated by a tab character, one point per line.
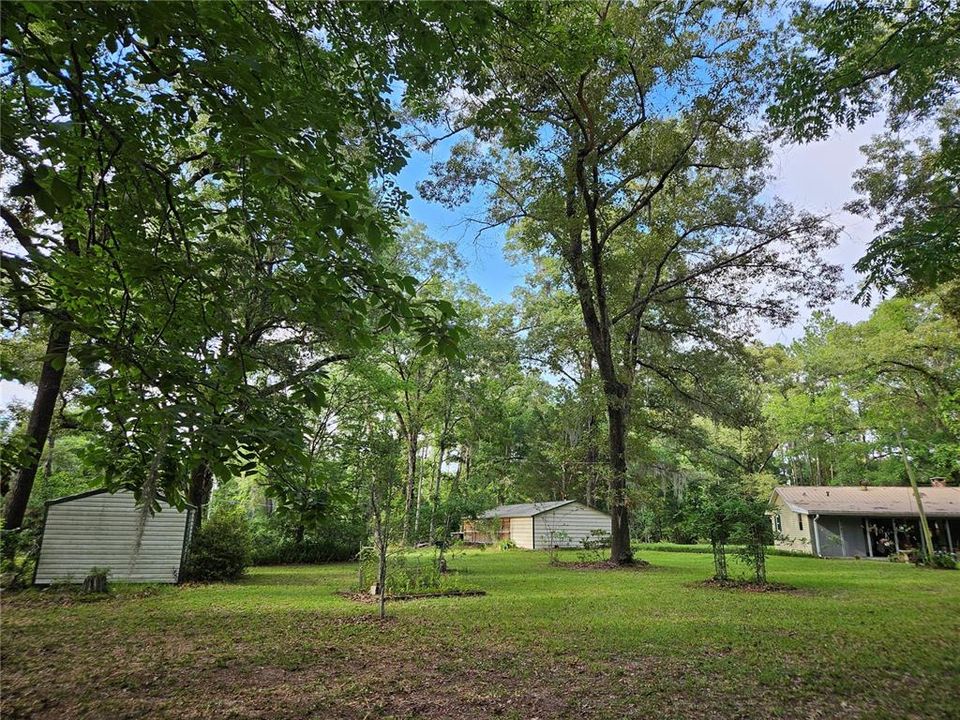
100	529
538	526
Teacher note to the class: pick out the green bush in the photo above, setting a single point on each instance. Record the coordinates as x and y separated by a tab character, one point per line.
595	547
220	550
943	561
273	543
641	547
407	573
18	557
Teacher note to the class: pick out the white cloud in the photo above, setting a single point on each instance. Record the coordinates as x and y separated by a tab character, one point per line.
818	177
13	392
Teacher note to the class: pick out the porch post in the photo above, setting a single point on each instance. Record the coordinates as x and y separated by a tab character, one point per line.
816	534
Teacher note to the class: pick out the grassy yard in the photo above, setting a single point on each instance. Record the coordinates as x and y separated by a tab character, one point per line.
860	639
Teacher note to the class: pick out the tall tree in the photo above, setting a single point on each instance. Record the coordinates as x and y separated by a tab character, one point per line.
617	136
843	399
148	140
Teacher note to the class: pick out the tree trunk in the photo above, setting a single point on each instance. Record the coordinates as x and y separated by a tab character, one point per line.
382	578
201	483
381	539
454	489
436	490
620	552
412	448
927	549
591	457
48	465
38	427
416	515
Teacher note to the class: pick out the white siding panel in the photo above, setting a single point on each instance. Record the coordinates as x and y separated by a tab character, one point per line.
568	526
101	531
521	532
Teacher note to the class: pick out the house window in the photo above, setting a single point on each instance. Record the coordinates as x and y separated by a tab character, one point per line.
800	520
777	523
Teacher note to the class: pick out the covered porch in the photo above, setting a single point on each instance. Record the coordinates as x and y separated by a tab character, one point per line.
880	536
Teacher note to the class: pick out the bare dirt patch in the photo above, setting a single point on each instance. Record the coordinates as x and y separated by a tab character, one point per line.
603	565
369	599
752	587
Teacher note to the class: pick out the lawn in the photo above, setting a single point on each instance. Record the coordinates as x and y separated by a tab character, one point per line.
859	639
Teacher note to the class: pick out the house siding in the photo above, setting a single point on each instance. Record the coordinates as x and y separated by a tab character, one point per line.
521	532
576	520
100	530
792	536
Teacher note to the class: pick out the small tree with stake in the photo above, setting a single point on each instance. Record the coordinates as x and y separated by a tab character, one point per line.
713	516
724	514
384	479
753	532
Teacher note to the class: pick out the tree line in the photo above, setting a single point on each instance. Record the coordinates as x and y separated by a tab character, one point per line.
210	274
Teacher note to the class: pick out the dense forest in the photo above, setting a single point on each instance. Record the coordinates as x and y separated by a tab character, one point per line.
212	279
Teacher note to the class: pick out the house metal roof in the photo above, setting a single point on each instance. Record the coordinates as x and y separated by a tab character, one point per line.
523	509
891	501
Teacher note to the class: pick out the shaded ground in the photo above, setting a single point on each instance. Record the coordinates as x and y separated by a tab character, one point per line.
864	639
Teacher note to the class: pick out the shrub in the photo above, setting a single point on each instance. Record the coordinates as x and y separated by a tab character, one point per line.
96	581
727	517
220	550
272	543
407	573
943	560
18	557
754	531
595	547
712	513
641	547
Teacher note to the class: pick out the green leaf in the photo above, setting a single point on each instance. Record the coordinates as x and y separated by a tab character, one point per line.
61	192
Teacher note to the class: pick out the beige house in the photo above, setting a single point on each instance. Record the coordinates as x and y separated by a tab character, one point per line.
538	526
863	521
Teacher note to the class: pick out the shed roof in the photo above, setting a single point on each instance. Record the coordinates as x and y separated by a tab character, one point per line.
121	490
855	500
523	509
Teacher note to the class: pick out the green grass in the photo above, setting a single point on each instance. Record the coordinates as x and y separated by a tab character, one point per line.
859	639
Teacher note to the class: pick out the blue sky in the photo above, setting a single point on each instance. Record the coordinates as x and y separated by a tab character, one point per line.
486	264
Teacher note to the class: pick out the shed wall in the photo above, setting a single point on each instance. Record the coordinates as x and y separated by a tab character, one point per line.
576	521
521	532
101	531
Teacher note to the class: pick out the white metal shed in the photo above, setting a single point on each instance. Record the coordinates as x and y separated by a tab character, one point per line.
538	526
100	529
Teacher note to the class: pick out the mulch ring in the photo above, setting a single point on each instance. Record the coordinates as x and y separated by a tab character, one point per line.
750	586
367	598
603	565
